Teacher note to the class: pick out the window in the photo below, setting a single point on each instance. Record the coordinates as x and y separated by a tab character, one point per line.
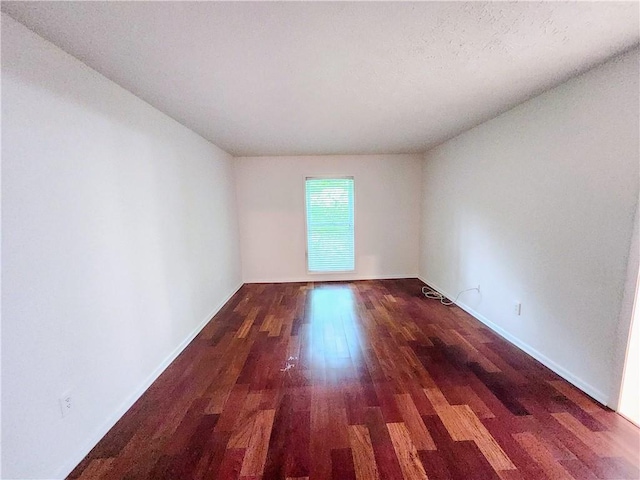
330	239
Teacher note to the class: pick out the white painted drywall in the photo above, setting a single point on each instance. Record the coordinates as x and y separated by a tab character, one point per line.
628	347
537	206
629	405
271	208
119	241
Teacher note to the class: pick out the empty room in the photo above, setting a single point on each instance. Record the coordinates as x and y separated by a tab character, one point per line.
320	240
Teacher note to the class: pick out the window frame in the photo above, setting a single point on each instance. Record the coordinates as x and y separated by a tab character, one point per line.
306	222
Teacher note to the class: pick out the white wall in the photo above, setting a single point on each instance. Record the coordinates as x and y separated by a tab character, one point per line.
271	207
119	241
537	206
628	361
630	392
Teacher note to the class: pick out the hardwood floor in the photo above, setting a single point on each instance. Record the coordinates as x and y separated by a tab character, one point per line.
359	380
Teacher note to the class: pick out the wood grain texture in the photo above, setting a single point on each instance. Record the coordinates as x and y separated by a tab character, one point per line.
359	380
545	459
406	452
256	455
419	433
363	456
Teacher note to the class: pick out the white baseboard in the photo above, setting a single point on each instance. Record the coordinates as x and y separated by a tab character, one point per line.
128	403
327	277
546	361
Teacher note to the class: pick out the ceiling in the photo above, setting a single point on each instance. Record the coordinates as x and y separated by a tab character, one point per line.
262	78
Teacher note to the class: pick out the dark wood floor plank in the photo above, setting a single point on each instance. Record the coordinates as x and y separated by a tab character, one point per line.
342	464
359	380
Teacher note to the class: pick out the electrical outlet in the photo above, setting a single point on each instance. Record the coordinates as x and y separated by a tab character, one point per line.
517	308
66	404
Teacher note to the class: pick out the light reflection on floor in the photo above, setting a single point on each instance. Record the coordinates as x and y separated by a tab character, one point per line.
334	331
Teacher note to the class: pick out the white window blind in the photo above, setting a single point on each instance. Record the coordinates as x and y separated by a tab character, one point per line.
330	239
